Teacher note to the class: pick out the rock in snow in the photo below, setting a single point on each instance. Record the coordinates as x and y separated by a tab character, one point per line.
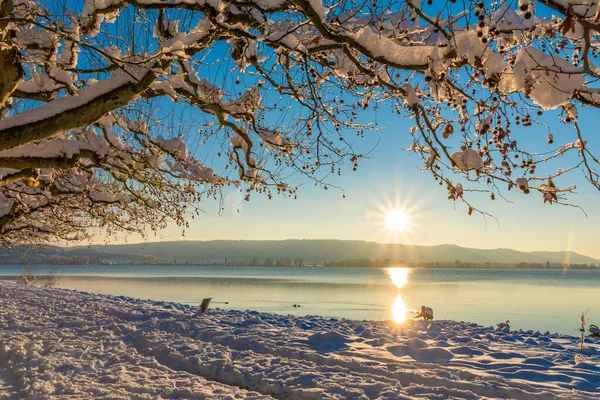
57	344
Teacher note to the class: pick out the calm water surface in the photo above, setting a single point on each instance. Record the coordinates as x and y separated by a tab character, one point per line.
544	300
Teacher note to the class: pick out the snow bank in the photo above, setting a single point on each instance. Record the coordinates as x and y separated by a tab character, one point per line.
58	343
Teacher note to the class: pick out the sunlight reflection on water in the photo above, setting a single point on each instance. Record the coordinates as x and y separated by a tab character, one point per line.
399	277
399	309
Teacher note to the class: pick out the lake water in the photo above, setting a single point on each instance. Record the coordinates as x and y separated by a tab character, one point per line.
544	300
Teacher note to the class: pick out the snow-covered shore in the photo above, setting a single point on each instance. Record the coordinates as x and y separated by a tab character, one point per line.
63	344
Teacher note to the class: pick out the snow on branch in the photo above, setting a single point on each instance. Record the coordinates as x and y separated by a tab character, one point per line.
130	131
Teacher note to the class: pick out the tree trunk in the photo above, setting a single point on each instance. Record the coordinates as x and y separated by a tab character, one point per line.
10	67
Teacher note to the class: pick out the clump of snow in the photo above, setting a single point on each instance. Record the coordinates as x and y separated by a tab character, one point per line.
39	82
507	19
174	145
272	138
238	141
578	144
92	6
458	191
550	79
51	148
247	103
411	99
523	184
468	160
198	172
317	6
382	47
571	111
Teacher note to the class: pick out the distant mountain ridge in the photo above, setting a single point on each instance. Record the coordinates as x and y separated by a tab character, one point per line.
320	251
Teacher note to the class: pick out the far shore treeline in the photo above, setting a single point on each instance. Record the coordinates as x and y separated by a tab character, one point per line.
287	262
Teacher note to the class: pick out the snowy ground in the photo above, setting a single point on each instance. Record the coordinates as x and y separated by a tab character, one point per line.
64	344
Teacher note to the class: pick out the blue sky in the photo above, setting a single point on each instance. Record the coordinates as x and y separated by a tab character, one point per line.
391	179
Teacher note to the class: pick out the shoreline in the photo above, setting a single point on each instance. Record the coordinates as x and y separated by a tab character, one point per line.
58	342
336	296
192	308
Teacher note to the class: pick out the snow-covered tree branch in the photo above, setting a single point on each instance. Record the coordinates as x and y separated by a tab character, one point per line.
124	114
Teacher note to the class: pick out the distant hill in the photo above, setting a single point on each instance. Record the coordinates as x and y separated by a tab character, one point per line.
325	250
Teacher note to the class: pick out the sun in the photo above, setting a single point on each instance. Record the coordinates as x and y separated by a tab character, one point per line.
397	220
398	217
